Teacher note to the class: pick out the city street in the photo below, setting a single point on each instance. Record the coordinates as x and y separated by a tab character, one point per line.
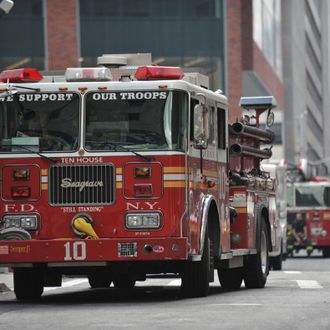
298	297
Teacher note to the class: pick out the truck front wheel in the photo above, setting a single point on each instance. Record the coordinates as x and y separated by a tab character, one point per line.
98	281
196	275
276	262
257	266
125	281
28	284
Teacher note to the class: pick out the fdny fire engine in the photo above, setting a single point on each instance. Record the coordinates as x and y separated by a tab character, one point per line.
129	169
309	202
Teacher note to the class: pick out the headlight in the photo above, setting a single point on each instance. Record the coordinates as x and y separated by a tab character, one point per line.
143	221
28	222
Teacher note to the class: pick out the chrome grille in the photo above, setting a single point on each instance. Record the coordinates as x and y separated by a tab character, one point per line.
81	184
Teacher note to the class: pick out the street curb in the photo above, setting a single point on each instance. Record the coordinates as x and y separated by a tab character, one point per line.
4	288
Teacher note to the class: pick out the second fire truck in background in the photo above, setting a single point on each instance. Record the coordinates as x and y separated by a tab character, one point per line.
310	200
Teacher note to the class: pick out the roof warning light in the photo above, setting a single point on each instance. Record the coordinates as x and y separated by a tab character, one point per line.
158	72
20	75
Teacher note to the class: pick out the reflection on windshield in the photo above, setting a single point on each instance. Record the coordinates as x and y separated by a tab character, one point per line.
313	196
136	120
39	121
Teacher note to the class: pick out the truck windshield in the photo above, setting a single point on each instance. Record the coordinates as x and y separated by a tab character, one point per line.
313	196
139	120
35	122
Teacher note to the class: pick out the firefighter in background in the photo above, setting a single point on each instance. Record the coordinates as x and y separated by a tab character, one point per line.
300	235
290	240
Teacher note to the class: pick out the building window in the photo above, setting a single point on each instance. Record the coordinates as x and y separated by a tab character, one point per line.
140	8
177	32
22	40
267	31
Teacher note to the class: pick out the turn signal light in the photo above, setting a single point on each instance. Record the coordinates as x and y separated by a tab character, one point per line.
20	75
20	192
142	190
142	172
21	174
158	72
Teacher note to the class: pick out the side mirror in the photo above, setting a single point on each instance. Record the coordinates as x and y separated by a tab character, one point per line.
201	126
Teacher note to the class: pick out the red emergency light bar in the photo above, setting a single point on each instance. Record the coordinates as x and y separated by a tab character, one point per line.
158	72
20	75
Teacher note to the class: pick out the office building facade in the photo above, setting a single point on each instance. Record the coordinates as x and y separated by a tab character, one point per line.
306	82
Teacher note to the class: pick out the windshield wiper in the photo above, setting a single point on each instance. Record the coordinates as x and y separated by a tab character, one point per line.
120	145
26	147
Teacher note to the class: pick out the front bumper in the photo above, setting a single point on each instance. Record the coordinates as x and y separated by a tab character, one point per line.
71	251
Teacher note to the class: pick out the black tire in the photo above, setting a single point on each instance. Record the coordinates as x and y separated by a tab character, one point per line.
326	252
99	281
276	262
124	282
196	275
28	284
257	266
230	279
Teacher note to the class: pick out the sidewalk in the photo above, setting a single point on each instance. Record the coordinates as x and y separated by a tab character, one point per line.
6	280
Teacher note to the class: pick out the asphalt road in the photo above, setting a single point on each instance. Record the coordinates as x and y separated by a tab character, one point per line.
298	297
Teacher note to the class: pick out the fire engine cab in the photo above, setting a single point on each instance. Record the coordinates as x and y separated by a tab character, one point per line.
129	169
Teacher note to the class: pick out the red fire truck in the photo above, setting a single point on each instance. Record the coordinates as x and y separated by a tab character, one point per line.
310	201
126	170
